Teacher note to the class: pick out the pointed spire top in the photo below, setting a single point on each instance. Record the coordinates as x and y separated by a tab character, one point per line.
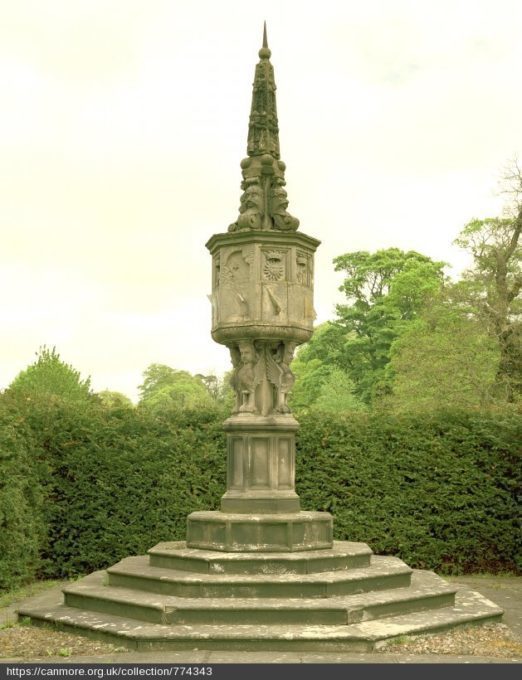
264	52
264	201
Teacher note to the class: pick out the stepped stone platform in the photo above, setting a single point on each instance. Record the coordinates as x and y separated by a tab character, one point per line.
342	598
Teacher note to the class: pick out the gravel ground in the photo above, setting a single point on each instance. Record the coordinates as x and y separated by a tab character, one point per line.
30	642
491	640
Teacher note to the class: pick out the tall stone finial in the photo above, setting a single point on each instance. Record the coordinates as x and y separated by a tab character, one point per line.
263	131
264	200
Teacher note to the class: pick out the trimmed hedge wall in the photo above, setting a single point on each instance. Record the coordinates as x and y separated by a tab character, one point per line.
439	491
22	533
120	480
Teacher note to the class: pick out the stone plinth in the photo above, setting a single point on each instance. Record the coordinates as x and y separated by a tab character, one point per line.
260	465
249	532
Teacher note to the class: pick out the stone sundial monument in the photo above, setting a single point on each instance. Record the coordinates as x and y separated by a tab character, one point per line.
260	573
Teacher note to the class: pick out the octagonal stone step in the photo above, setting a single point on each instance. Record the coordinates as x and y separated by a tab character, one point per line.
343	555
470	607
427	591
136	573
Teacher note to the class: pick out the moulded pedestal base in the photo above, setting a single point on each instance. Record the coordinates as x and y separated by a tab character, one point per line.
270	502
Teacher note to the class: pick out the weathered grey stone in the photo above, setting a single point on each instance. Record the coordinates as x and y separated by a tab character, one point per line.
260	465
363	636
260	532
136	572
343	555
427	592
262	291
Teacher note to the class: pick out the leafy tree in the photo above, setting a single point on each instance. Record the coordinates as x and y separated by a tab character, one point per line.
326	345
385	292
336	394
165	387
113	399
443	360
321	384
50	378
493	284
219	388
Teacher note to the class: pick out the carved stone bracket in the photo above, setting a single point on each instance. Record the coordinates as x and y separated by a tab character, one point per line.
264	201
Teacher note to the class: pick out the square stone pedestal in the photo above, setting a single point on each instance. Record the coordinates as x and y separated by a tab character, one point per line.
260	465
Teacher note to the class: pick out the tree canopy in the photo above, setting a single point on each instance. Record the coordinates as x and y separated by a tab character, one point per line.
50	377
166	387
385	292
113	399
492	289
444	360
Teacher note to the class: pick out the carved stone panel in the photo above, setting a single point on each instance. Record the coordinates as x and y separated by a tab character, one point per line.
275	302
304	268
262	287
301	309
274	265
233	289
236	462
285	463
260	463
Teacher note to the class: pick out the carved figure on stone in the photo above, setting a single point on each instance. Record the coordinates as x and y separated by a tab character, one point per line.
303	269
279	374
279	204
287	379
234	278
214	301
236	270
250	210
235	357
273	372
247	379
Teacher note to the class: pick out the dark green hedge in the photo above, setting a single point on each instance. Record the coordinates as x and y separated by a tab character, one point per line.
22	533
439	491
121	480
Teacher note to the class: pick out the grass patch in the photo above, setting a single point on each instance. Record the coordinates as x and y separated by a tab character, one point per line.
9	597
396	641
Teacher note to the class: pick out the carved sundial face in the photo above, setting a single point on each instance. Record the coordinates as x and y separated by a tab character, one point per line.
274	267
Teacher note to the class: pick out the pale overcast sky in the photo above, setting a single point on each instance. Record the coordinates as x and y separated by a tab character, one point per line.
123	122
